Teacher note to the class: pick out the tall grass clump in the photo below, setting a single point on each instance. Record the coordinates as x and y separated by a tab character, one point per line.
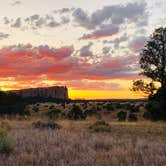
7	143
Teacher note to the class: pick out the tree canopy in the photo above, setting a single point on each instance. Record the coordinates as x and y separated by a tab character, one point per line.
153	57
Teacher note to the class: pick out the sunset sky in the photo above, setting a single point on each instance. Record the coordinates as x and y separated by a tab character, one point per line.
90	46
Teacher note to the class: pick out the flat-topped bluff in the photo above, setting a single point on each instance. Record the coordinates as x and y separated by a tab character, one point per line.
57	92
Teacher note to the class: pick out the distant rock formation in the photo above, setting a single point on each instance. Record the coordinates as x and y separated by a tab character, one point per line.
57	92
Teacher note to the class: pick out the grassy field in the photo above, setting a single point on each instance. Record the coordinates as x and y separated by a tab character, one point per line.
141	143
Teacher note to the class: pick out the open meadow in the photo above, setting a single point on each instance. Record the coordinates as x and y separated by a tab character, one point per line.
83	142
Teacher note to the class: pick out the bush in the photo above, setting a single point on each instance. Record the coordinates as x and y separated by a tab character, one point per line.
90	112
100	126
6	143
134	109
51	107
121	116
5	125
46	125
118	106
109	107
156	106
153	110
35	109
76	113
53	114
132	117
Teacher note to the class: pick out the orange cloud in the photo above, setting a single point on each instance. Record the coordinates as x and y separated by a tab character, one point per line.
25	66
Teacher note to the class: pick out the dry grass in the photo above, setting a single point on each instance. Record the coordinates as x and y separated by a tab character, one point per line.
128	144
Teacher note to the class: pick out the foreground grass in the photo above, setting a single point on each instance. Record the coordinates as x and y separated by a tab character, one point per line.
128	144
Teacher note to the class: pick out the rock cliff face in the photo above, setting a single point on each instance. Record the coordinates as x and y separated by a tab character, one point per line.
57	92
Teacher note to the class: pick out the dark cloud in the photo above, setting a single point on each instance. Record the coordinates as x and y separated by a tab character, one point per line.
64	10
137	43
103	31
36	21
106	50
6	20
116	42
85	50
3	36
17	23
14	3
116	14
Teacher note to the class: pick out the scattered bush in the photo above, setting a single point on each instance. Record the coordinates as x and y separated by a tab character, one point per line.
109	107
63	105
35	109
153	110
47	125
118	106
5	125
51	107
121	116
134	109
100	126
53	114
6	143
76	113
132	117
90	112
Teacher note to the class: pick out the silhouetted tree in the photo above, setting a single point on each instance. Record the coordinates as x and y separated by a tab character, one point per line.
153	57
153	65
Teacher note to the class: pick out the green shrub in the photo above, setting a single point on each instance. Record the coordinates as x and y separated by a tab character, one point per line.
90	112
102	128
118	106
35	109
153	110
109	107
6	143
53	114
3	132
134	109
132	117
76	113
5	125
121	116
51	107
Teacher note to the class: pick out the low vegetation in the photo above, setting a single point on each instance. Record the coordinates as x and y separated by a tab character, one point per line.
76	144
7	143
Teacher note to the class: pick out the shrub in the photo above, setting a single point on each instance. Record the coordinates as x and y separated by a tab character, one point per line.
153	110
6	143
46	125
90	112
26	111
132	117
51	107
121	116
118	106
109	107
134	109
5	125
53	114
63	105
76	113
35	109
100	126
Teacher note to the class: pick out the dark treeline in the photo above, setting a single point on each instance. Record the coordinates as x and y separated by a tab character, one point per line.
11	103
